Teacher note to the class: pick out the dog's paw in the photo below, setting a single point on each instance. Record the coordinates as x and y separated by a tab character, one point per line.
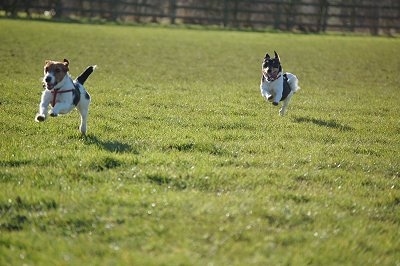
40	118
275	103
53	114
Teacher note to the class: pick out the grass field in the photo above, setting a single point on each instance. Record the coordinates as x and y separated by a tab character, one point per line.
185	164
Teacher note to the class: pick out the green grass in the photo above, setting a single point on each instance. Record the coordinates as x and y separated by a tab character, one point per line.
185	164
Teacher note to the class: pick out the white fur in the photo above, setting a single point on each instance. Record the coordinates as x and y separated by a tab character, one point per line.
272	90
64	101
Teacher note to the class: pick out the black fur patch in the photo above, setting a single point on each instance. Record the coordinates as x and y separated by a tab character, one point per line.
286	87
84	75
87	96
77	94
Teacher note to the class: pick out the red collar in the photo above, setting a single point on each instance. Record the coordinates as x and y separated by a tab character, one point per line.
55	92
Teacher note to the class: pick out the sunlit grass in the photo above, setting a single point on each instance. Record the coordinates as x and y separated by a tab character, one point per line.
184	163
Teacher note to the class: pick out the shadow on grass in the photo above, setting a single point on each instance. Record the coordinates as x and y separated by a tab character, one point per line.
110	145
160	180
14	163
323	123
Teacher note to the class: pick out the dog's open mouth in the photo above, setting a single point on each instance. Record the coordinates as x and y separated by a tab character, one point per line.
270	75
48	86
273	75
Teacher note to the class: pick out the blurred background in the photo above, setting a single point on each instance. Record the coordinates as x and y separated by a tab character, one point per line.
360	16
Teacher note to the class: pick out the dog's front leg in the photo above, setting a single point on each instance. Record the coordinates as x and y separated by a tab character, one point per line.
277	98
265	91
44	104
60	108
278	91
285	104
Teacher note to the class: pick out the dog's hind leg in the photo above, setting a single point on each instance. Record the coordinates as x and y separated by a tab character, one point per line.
84	114
83	108
293	82
294	87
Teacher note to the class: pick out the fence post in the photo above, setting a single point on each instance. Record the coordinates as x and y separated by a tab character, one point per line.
277	17
58	7
353	16
323	15
226	13
376	19
172	11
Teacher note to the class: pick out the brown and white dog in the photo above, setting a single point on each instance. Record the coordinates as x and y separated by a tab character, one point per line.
63	93
276	85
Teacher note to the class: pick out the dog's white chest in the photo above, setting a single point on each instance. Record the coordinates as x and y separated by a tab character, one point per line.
272	87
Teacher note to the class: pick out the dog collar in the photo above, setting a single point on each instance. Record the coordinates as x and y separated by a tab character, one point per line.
55	92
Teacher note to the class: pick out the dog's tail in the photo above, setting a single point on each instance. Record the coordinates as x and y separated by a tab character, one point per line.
85	74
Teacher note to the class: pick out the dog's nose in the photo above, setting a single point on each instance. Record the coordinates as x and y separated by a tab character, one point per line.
48	79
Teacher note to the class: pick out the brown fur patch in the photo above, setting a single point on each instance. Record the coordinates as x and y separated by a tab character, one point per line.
59	69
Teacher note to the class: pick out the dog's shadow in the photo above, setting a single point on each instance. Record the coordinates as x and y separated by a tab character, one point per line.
109	145
323	123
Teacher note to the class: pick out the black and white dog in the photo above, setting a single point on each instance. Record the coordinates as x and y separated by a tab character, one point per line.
63	93
276	85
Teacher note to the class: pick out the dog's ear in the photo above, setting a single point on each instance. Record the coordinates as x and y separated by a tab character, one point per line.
66	64
46	62
267	56
277	56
